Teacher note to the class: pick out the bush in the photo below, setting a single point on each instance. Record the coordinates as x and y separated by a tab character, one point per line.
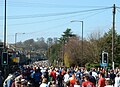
89	66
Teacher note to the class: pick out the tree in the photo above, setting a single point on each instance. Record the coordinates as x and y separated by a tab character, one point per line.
49	42
107	46
55	40
72	52
66	35
28	44
54	53
19	44
64	40
40	39
92	47
56	47
41	44
117	50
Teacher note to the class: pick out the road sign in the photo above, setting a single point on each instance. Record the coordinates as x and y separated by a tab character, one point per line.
104	64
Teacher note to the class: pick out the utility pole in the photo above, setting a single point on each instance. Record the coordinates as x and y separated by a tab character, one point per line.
63	50
113	35
82	39
5	66
5	28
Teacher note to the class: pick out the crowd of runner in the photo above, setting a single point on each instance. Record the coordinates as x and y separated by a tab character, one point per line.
40	74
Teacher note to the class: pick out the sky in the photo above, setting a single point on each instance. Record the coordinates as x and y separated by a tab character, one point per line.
50	18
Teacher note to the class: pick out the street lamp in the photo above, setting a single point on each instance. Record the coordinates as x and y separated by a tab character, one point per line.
16	37
15	43
82	32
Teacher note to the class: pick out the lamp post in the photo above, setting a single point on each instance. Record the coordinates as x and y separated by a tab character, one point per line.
15	43
82	33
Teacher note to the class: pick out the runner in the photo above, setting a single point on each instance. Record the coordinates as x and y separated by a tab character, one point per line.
101	81
86	82
44	83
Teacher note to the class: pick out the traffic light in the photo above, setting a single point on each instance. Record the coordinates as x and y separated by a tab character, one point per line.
100	58
4	58
104	57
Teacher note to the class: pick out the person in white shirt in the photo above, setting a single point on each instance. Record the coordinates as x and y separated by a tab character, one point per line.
44	83
108	82
66	78
77	83
117	81
94	73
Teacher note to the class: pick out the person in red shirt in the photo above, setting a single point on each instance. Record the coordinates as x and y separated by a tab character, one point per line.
101	81
86	82
72	80
53	75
